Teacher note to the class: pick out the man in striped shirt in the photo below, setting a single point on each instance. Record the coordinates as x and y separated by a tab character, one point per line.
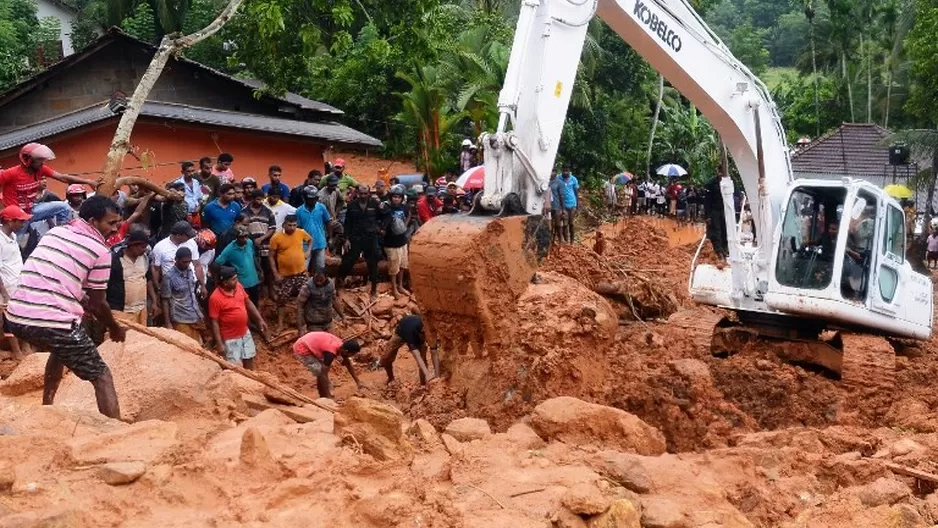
68	271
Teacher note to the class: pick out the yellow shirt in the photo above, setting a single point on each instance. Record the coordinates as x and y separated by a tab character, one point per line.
288	251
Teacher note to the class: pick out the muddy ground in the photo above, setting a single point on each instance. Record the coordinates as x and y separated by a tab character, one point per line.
678	438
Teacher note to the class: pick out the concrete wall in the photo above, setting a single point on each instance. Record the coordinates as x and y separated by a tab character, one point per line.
84	151
46	8
119	67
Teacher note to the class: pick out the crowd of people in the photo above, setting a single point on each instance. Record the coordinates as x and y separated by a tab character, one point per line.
199	260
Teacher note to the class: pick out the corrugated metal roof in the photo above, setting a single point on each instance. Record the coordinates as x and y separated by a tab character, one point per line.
327	131
289	97
856	149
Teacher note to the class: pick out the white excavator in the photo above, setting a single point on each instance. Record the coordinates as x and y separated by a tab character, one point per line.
828	256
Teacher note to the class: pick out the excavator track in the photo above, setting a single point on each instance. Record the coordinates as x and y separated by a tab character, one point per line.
865	364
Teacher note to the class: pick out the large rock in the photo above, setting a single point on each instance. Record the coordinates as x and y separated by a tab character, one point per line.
585	499
154	380
663	512
375	426
255	454
522	436
884	490
625	469
60	517
143	441
577	422
27	376
118	473
468	429
621	514
423	431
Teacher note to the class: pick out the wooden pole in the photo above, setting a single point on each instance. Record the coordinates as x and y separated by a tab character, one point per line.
199	351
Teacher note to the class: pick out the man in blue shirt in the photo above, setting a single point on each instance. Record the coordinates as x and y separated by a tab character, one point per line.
274	173
313	217
220	214
193	188
567	188
240	256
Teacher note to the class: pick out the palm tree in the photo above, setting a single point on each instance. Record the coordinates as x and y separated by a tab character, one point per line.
896	20
809	14
475	71
426	108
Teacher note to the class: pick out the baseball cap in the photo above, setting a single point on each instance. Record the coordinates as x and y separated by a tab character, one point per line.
137	236
227	272
418	188
248	180
183	227
339	163
466	143
310	191
431	190
332	180
13	212
173	185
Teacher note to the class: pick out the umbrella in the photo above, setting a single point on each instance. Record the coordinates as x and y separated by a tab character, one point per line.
671	170
898	192
622	178
473	178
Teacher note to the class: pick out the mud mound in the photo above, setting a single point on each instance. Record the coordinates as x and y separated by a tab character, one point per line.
557	328
154	380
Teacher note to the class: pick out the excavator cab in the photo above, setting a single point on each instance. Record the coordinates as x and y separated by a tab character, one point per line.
841	255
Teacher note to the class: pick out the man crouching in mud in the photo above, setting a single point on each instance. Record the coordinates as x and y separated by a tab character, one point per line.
47	309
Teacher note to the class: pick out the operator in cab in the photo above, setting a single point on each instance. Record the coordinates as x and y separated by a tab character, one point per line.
859	243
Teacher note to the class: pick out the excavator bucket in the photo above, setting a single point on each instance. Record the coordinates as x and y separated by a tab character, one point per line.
466	271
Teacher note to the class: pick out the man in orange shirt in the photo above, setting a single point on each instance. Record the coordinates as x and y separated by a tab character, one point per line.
287	260
317	350
229	309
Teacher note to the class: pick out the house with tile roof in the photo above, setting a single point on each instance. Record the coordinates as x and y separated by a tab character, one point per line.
193	111
855	150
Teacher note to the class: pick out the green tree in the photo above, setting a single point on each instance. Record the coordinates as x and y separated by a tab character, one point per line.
748	44
922	50
17	40
427	110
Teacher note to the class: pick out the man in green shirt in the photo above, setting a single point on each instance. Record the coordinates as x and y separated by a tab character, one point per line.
345	180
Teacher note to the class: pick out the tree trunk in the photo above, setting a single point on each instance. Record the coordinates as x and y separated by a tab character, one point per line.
120	145
888	96
654	124
817	104
931	193
869	81
843	68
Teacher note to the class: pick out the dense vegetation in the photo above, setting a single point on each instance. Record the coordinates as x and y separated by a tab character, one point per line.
423	74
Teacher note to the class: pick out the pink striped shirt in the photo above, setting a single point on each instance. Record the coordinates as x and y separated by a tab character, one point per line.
68	260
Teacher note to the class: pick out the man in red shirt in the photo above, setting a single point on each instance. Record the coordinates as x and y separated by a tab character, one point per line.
228	310
673	189
429	205
21	184
317	351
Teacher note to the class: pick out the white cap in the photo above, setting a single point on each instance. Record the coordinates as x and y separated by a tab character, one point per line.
466	143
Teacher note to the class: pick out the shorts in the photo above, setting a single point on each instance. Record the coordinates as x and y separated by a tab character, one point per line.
73	347
311	362
192	330
319	327
289	287
397	259
932	255
240	348
317	261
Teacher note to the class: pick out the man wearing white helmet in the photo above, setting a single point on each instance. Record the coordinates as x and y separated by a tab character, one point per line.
465	156
21	184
